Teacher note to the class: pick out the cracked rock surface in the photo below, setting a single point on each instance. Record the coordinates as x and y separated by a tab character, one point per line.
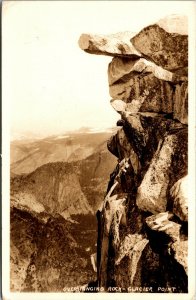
142	224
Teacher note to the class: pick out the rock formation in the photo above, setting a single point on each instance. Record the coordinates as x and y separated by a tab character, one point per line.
143	221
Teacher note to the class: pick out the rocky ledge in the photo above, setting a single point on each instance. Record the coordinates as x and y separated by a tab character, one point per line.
143	221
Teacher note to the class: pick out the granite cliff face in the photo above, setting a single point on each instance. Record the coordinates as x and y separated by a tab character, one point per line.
143	220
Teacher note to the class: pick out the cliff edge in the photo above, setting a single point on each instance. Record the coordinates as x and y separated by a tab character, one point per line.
143	221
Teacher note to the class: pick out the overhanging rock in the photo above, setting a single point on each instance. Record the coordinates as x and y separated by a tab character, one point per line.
142	237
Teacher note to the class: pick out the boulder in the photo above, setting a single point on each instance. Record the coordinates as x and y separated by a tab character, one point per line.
179	196
168	50
136	265
168	165
118	105
113	45
140	135
144	130
152	192
179	250
146	87
122	69
146	92
132	247
150	93
161	226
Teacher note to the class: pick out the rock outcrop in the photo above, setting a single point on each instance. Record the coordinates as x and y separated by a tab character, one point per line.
116	44
143	221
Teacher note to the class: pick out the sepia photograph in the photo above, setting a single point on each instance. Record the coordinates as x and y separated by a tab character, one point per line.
98	172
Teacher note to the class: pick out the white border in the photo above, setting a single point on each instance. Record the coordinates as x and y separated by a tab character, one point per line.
6	188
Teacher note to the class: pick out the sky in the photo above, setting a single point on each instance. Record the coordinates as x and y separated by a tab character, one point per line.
50	85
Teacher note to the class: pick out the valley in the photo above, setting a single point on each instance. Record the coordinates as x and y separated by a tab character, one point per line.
53	223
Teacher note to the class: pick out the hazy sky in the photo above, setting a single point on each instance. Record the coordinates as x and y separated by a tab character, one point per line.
52	85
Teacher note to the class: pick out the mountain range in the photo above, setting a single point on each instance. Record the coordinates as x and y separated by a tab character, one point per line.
57	185
28	154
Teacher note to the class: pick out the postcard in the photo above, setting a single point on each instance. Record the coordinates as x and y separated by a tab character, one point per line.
98	161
